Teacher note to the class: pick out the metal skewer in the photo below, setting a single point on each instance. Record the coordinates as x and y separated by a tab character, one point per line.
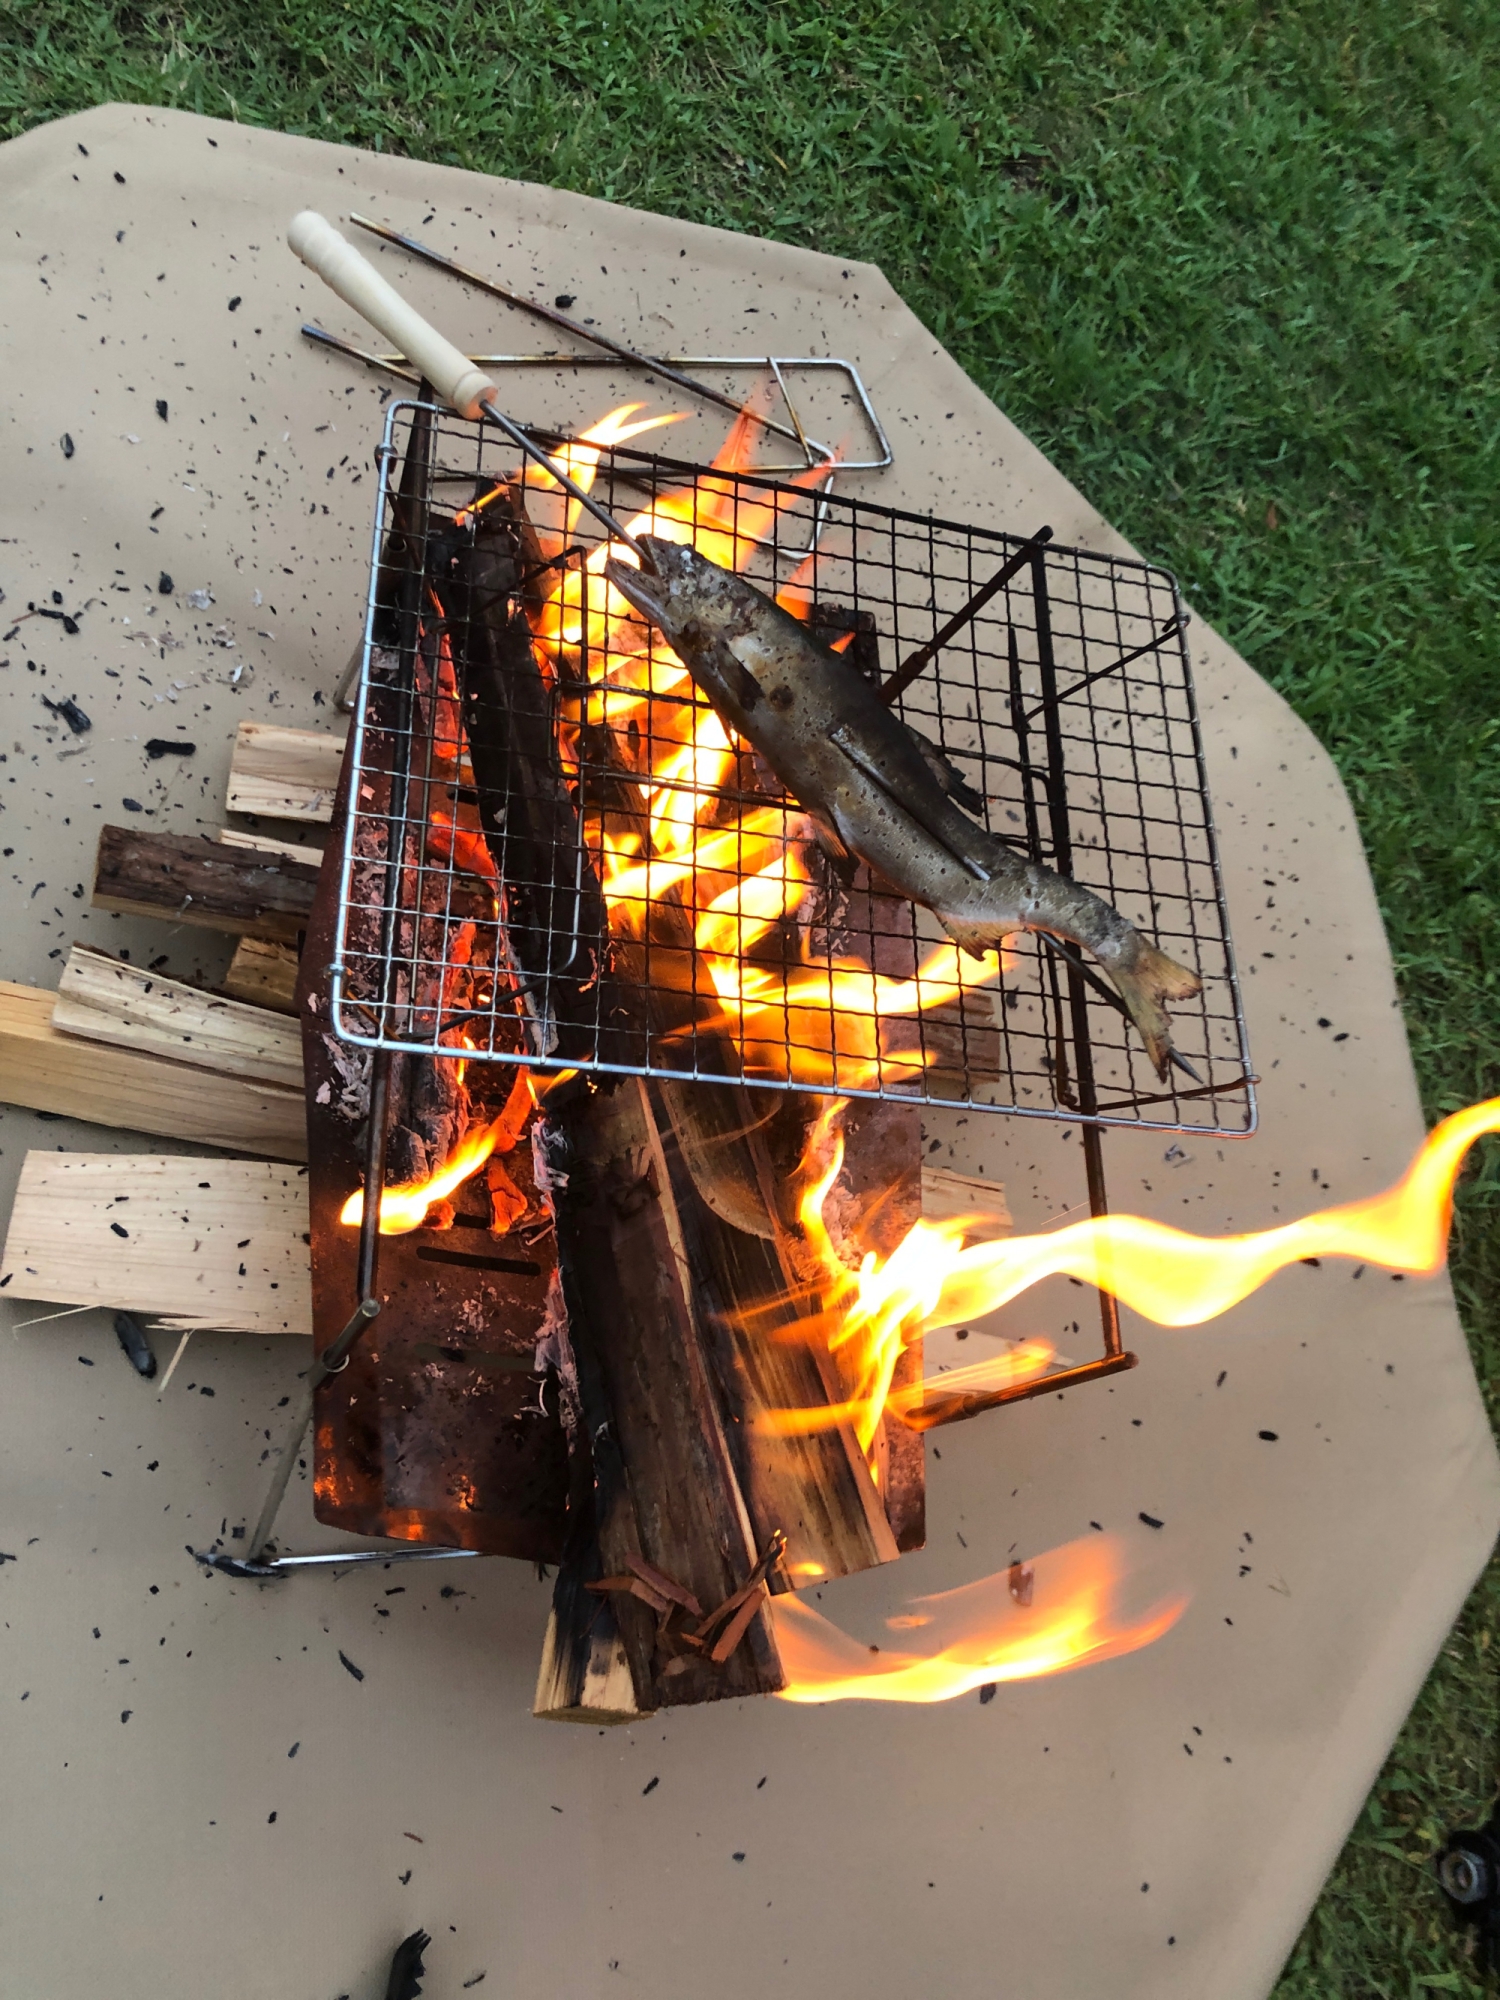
556	318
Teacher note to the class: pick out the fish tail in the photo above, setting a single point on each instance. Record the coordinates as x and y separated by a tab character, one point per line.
1146	980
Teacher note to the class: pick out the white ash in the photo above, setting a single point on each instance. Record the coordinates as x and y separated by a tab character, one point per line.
352	1067
199	600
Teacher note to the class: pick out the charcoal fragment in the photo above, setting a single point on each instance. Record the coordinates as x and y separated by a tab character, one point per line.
169	746
133	1342
164	583
132	805
161	408
234	303
67	445
349	1667
1151	1521
987	1693
69	712
119	1229
563	301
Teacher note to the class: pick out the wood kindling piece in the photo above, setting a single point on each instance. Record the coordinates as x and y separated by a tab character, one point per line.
187	879
193	1243
105	1000
136	1087
284	773
260	843
263	974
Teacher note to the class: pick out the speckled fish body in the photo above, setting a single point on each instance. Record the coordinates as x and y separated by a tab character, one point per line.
868	784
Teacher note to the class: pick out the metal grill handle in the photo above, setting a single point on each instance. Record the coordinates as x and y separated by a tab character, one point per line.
360	285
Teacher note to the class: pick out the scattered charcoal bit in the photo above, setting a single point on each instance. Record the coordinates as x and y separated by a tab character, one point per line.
986	1693
1223	1378
83	1358
477	1980
295	1748
69	712
563	301
1151	1521
234	303
404	1879
132	805
119	177
164	584
161	408
270	1819
349	1667
205	1390
416	1837
1268	1437
169	746
67	445
739	1856
137	1349
7	1557
119	1229
649	1787
126	1713
406	1965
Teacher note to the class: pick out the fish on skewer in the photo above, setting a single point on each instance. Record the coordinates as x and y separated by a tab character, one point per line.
871	786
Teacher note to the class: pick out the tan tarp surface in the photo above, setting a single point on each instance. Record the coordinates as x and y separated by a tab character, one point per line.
199	1799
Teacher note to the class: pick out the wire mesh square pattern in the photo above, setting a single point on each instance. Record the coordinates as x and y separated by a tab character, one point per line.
554	855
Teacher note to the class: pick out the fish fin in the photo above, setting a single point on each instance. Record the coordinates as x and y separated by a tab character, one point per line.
977	939
946	773
1146	984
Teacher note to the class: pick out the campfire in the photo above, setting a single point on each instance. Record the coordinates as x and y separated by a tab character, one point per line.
634	1045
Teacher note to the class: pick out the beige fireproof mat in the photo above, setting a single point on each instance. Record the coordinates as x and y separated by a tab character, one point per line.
200	1798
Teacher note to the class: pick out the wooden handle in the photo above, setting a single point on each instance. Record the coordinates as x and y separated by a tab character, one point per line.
359	284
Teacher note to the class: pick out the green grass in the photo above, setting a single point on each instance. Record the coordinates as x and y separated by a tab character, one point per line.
1233	266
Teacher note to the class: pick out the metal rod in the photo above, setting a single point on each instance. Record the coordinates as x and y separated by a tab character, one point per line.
554	317
569	485
909	668
327	1363
1078	1004
377	1134
1103	673
931	1416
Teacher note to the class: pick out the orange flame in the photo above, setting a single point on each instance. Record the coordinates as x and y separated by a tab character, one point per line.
978	1634
934	1278
403	1209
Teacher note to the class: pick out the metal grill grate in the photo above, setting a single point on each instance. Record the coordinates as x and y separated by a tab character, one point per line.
1065	703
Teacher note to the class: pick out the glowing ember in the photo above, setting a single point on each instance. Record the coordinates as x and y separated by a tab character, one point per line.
980	1633
403	1209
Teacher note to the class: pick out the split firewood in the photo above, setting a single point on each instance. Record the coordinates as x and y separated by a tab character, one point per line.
637	1350
105	1000
263	974
284	773
260	843
192	880
137	1088
192	1243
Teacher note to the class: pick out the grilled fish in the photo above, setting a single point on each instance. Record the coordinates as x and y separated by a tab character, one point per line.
869	784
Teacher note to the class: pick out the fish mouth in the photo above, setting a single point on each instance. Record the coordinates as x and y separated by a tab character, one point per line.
640	591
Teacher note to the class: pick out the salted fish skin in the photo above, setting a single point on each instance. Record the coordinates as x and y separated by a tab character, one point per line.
823	730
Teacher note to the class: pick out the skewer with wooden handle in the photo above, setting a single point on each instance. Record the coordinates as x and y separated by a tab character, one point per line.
463	386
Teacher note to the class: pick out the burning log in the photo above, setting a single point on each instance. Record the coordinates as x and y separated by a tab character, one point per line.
196	881
627	1283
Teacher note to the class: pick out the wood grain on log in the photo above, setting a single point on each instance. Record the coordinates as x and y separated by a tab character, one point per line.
137	1089
284	773
190	880
263	974
105	1000
260	843
195	1243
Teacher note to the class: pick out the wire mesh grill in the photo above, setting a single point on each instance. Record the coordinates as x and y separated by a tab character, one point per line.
555	856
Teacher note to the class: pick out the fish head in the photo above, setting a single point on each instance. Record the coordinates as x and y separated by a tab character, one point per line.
667	589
